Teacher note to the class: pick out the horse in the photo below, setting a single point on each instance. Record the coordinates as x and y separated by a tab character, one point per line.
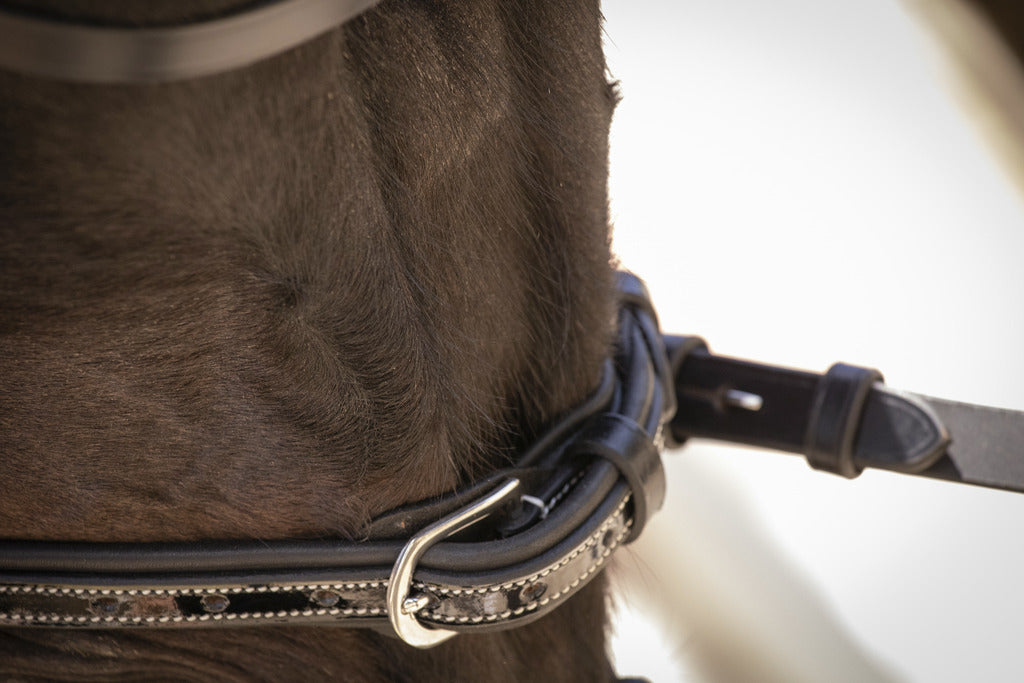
275	302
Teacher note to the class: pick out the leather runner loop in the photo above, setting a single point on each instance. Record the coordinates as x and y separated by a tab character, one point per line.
629	448
632	293
836	410
678	347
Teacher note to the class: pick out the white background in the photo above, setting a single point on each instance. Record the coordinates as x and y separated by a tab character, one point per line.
796	183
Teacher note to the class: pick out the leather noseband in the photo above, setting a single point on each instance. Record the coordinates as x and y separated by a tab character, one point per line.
539	531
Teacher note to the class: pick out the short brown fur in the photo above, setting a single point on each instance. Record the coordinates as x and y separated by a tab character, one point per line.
276	302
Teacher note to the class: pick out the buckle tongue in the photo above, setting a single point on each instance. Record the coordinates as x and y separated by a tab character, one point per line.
402	604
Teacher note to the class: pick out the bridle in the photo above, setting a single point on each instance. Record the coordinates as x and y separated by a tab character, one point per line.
80	53
538	532
514	546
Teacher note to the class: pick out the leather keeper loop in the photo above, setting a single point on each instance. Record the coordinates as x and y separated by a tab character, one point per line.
836	412
629	448
633	293
678	347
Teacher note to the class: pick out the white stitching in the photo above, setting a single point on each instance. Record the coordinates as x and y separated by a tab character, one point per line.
56	618
235	590
557	498
540	603
440	590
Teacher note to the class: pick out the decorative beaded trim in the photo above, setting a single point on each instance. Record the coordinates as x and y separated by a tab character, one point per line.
570	586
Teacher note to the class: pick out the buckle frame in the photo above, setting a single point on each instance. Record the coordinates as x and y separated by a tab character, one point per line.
401	603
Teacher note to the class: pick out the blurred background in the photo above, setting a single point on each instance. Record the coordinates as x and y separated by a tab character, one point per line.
802	182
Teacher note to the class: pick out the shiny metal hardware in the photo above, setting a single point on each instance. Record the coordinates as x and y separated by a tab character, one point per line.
743	399
536	502
402	604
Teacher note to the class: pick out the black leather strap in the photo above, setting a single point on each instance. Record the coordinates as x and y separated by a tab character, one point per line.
94	54
842	421
341	595
987	446
702	381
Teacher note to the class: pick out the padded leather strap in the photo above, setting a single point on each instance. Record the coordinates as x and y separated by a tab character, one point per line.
342	597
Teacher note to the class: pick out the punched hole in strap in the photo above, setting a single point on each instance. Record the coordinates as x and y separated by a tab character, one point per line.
627	446
836	412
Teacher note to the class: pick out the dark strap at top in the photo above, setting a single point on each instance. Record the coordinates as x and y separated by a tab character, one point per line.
83	53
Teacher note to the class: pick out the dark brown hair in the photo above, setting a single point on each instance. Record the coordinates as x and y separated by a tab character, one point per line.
276	302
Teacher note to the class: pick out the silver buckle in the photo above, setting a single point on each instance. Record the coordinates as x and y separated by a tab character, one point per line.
402	604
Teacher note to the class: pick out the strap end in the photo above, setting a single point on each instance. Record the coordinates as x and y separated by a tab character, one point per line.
899	432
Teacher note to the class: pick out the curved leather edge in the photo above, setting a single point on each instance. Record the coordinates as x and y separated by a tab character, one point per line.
92	54
899	432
